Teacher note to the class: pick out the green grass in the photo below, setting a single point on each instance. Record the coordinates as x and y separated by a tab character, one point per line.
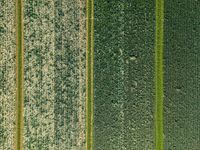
19	72
159	74
89	74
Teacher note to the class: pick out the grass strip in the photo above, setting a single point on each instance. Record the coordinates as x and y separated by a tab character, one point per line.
159	74
89	73
19	74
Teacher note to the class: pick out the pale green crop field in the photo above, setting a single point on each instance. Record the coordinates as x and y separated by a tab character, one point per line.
99	75
54	103
7	74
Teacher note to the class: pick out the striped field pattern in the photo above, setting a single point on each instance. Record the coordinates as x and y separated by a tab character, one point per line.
99	74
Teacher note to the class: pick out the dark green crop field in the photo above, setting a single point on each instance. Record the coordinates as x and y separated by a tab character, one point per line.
99	74
123	75
182	72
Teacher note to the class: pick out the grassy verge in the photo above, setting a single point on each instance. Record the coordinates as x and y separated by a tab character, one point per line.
89	74
19	74
159	74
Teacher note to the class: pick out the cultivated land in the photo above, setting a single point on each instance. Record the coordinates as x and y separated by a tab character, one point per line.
127	76
7	74
182	71
39	75
70	73
124	75
55	48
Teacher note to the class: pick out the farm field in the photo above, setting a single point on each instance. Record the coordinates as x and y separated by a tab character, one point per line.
7	74
124	75
182	70
54	104
99	75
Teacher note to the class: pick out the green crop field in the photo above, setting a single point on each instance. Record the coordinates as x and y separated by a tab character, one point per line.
124	71
99	75
182	71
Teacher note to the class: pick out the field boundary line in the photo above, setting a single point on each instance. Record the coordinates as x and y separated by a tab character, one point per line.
159	90
89	73
19	75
